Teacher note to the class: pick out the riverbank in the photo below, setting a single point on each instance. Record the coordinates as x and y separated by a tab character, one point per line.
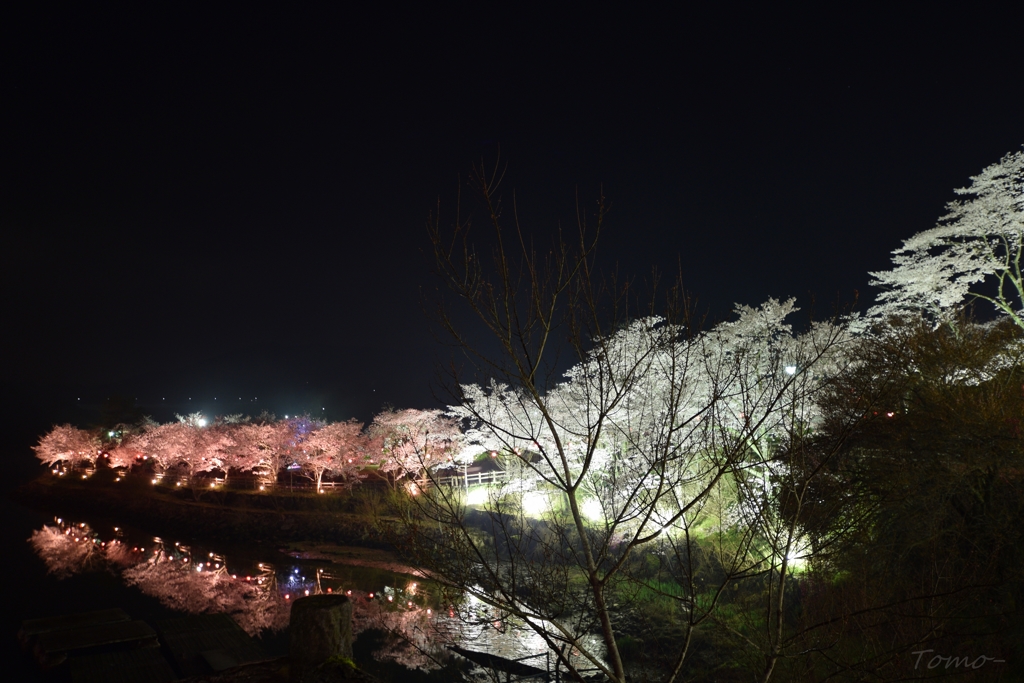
235	516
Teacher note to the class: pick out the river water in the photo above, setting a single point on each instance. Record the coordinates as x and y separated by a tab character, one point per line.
67	563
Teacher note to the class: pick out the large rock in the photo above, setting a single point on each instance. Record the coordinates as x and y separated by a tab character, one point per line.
321	628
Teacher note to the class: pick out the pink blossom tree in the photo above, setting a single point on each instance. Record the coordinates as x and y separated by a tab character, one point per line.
128	451
188	445
65	443
413	440
339	448
260	448
165	444
218	448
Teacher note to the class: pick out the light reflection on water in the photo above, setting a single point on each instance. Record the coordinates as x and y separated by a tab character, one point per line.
419	621
258	595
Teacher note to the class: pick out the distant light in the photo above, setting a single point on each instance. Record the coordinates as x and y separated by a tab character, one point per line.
790	369
202	421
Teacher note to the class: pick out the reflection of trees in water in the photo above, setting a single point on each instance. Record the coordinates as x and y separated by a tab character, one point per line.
410	639
478	626
416	632
188	580
69	550
417	635
168	573
187	587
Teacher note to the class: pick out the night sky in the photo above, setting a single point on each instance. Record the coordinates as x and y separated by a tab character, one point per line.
202	204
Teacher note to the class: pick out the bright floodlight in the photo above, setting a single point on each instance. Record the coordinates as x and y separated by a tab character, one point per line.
534	503
202	422
591	509
799	552
477	495
790	369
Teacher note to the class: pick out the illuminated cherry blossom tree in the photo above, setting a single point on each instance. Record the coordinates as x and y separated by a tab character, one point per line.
973	253
65	443
125	453
188	445
260	448
413	440
649	436
339	448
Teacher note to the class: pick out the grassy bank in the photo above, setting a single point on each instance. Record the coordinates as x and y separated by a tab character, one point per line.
235	515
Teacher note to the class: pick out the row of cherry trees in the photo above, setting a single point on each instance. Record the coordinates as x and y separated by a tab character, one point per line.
396	443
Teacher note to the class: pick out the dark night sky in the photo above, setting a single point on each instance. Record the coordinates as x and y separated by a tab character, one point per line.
233	204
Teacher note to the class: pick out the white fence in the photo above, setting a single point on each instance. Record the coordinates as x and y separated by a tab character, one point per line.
301	484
